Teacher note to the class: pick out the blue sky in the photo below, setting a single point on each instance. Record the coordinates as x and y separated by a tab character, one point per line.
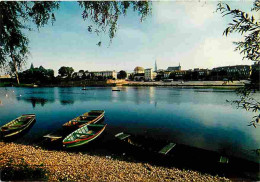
189	33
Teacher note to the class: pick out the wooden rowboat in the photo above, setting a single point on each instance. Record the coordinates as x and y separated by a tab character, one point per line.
83	135
91	117
17	125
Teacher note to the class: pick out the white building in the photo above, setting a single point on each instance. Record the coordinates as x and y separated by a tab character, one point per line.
107	74
149	74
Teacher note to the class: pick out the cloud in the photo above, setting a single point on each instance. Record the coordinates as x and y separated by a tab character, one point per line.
183	13
213	52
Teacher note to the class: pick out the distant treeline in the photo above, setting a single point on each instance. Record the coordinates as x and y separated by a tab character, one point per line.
45	77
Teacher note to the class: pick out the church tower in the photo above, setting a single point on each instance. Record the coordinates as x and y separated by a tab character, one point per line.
155	66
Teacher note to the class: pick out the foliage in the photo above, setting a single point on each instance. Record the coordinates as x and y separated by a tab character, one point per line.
158	77
172	75
246	25
249	27
66	71
15	17
105	14
248	102
122	74
37	75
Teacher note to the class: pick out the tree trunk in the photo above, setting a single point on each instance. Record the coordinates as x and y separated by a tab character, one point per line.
16	71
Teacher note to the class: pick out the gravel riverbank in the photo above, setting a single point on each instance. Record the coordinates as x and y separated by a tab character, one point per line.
69	166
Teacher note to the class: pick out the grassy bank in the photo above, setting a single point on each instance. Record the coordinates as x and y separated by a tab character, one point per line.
67	166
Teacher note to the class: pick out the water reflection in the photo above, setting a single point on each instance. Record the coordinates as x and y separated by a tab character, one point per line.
67	102
35	101
192	117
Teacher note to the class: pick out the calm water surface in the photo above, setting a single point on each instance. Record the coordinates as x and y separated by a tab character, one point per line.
196	117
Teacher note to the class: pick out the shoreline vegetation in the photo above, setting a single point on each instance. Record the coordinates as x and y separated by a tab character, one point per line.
111	83
75	166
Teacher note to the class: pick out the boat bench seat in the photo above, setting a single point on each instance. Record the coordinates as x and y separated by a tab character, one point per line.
80	121
75	134
167	148
91	116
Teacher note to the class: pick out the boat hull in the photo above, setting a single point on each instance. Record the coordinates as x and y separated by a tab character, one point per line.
5	133
81	142
77	122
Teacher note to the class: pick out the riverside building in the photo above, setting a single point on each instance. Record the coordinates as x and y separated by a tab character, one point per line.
105	74
149	74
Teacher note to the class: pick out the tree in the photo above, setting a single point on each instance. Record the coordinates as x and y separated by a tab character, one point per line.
14	18
17	17
195	75
246	25
158	77
84	76
66	71
172	75
249	27
40	75
50	73
122	74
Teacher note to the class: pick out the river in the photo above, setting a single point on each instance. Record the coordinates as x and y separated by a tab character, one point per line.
199	118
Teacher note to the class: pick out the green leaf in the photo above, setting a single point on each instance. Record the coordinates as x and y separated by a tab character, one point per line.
228	7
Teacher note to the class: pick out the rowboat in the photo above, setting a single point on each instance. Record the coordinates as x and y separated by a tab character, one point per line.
83	135
146	144
17	125
91	117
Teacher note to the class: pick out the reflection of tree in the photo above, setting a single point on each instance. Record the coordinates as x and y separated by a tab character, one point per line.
35	100
66	102
69	95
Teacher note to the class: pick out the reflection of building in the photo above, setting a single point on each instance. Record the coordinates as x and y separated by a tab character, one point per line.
151	95
175	68
107	74
149	74
138	70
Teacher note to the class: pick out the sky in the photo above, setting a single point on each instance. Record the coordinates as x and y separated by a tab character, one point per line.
177	32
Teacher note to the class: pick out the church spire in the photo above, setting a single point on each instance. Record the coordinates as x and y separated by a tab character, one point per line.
155	66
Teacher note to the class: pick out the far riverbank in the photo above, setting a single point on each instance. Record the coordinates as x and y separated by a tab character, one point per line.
191	84
113	83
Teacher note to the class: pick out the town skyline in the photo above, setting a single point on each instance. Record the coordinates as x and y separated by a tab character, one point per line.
189	33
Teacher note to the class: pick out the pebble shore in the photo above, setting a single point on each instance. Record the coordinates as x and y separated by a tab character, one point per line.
67	166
